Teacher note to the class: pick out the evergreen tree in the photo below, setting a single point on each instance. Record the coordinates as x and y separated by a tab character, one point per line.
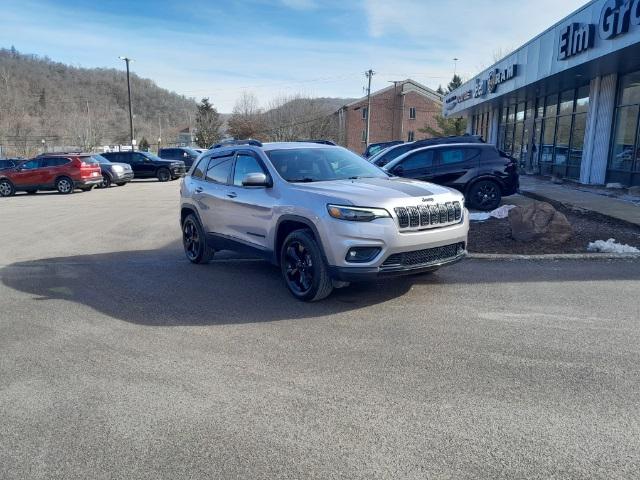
208	124
446	127
455	82
440	90
144	144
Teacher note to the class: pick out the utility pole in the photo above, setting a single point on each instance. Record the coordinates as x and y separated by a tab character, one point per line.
89	139
369	73
127	60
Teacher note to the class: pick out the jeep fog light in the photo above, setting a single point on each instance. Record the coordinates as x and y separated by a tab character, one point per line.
362	254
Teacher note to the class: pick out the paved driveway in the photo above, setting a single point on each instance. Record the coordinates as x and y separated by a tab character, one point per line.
119	359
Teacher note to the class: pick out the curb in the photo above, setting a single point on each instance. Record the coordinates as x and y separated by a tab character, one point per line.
555	256
570	206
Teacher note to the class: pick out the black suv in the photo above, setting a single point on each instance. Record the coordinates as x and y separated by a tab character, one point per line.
377	147
391	153
479	170
185	154
147	165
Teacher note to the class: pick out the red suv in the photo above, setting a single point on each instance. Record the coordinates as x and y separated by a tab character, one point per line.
63	173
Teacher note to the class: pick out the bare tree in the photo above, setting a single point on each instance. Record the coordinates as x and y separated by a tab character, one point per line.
247	120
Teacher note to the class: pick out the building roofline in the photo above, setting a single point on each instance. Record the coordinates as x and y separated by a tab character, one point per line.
428	92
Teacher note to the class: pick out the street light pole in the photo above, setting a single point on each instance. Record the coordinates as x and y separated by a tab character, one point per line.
127	60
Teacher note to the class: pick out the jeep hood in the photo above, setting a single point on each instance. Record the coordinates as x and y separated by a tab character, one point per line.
375	191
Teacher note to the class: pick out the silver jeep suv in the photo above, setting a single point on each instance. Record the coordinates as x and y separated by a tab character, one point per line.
324	215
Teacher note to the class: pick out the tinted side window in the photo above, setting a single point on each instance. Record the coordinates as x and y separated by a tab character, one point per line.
245	164
219	169
169	153
136	157
418	160
31	164
198	171
451	155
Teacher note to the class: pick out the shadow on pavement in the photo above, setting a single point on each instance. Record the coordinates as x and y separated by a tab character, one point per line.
161	288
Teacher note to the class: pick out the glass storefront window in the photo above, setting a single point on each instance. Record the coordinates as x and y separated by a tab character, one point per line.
551	106
508	139
625	138
517	141
582	100
520	112
577	144
546	149
563	135
511	114
630	88
540	108
566	102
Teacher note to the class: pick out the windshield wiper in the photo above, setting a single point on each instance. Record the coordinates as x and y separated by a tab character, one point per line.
302	180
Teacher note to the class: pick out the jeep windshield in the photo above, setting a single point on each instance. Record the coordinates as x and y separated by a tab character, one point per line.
322	165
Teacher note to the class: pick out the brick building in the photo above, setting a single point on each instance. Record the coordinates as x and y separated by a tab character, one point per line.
397	113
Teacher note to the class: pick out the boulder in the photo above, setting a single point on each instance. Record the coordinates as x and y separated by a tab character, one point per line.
614	186
539	222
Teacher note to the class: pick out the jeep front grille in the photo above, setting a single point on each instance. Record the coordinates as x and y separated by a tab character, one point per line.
427	256
429	216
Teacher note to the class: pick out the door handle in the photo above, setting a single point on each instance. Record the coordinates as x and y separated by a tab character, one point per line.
232	194
199	190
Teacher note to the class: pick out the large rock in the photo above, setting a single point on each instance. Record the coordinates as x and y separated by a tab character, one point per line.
539	222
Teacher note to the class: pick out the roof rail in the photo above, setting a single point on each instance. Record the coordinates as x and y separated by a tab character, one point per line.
321	142
71	152
227	143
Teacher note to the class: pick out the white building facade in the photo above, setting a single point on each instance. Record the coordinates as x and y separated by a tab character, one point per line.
567	103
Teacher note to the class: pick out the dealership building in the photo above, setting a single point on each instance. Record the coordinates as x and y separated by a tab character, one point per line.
567	103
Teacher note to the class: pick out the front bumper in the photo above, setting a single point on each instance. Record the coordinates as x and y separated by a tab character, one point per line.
122	177
360	274
177	172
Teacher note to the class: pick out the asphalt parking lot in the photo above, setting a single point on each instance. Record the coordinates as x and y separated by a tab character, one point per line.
119	359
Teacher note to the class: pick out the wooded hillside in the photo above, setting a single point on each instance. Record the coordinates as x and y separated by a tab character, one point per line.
71	106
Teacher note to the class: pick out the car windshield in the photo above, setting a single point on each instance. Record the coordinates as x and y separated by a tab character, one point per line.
100	159
321	164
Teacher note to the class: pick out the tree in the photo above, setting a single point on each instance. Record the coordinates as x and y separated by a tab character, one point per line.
208	124
246	120
455	82
440	90
144	144
446	127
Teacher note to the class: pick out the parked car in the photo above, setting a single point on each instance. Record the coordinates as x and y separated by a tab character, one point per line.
390	153
185	154
148	165
321	213
61	172
376	147
118	173
479	170
6	163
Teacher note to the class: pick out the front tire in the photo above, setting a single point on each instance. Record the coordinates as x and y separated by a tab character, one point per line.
163	174
303	267
485	195
64	185
6	188
106	181
194	241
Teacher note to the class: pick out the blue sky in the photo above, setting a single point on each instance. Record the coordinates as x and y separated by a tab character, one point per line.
278	47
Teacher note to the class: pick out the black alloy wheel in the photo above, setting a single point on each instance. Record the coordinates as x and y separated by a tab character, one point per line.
106	181
303	267
164	175
194	241
485	195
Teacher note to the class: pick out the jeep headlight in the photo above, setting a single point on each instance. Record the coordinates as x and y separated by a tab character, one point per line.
118	168
356	214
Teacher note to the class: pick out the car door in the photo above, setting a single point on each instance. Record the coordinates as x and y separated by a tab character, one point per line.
252	206
416	165
453	163
28	174
213	194
50	169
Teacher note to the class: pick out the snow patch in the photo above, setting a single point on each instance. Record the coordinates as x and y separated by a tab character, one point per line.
500	212
610	246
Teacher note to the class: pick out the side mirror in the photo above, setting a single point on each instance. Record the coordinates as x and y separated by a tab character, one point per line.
255	180
398	171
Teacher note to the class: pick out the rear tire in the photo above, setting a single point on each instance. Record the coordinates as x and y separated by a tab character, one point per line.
163	174
303	267
6	188
485	195
194	241
106	181
64	185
